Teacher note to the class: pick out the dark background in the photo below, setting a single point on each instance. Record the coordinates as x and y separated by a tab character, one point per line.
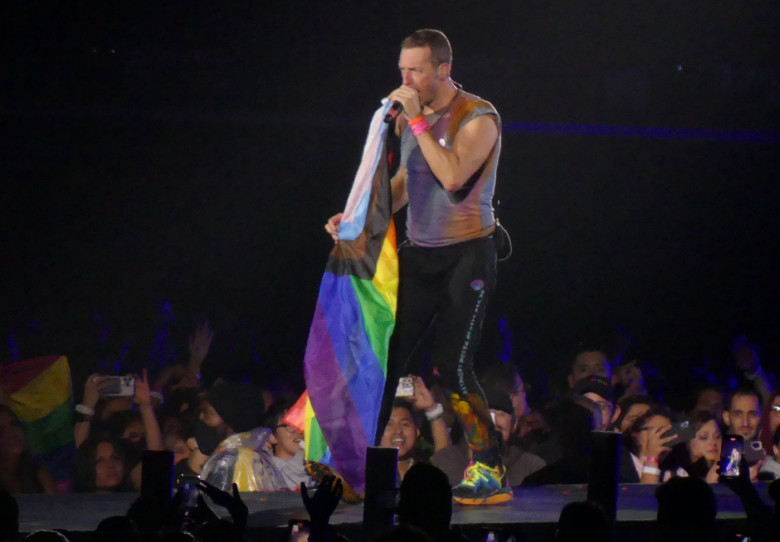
168	162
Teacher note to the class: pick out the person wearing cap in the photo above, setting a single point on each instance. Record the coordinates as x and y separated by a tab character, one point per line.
589	361
599	390
519	463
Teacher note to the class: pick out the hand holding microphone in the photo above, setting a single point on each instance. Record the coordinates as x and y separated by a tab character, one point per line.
405	99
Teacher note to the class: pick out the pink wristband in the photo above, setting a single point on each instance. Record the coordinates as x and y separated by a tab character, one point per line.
419	125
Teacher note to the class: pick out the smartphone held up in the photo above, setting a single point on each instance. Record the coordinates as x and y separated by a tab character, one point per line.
731	456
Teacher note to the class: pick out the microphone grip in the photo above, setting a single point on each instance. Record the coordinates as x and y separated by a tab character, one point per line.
394	111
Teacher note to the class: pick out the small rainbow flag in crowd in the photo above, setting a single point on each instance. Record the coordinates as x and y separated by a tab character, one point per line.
40	393
346	355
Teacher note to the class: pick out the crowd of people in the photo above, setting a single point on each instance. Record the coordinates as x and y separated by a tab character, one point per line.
233	436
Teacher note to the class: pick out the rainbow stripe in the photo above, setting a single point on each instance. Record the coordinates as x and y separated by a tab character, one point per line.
40	393
346	355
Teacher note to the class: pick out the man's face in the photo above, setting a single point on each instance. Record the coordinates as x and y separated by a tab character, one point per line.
400	432
417	71
744	416
589	363
288	441
606	408
710	400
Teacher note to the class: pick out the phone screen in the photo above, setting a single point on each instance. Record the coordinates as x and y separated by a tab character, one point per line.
730	456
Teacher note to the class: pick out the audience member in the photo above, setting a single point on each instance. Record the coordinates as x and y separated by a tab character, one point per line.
583	521
19	472
506	378
187	376
709	398
646	441
686	510
743	415
287	447
403	429
770	421
771	468
631	408
100	467
116	529
425	502
599	390
704	448
232	436
519	463
589	361
572	421
9	517
746	359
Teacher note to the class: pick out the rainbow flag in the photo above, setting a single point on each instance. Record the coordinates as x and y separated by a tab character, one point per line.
346	355
40	393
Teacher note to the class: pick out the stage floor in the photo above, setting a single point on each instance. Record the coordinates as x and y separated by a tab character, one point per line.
82	512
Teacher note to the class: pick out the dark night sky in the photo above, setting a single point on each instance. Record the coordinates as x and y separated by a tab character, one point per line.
189	152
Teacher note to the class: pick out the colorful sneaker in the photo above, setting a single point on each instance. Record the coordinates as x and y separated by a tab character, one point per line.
482	485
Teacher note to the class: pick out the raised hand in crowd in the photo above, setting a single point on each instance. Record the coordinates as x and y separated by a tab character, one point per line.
85	411
652	445
747	362
187	376
321	506
232	503
423	400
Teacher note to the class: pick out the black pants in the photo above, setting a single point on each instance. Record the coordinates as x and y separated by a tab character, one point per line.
445	290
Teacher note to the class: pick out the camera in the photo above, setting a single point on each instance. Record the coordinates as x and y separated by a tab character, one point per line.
118	386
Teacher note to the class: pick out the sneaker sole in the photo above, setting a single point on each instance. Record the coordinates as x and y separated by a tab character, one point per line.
498	498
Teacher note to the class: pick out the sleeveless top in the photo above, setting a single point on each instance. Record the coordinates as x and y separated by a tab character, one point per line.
436	217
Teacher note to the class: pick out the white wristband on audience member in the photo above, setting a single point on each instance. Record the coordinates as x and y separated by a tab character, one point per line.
655	471
434	413
84	409
157	395
755	374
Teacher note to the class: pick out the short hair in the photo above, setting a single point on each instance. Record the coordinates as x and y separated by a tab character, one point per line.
744	391
686	509
425	499
501	376
582	521
435	40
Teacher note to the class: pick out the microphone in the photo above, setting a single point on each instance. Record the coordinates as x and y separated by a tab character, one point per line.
394	111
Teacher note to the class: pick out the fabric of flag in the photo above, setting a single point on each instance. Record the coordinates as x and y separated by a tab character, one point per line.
346	354
40	393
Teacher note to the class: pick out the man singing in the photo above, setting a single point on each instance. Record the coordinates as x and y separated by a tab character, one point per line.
450	143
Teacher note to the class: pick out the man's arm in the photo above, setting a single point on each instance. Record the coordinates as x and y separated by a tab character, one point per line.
472	145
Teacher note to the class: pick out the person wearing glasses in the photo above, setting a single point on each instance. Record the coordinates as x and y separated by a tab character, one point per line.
286	447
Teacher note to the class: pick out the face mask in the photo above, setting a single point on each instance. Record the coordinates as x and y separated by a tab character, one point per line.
207	438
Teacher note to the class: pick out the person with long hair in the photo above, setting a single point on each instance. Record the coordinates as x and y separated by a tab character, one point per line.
19	472
703	450
100	467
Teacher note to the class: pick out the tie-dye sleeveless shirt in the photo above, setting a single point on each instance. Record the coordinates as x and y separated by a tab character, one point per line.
436	217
